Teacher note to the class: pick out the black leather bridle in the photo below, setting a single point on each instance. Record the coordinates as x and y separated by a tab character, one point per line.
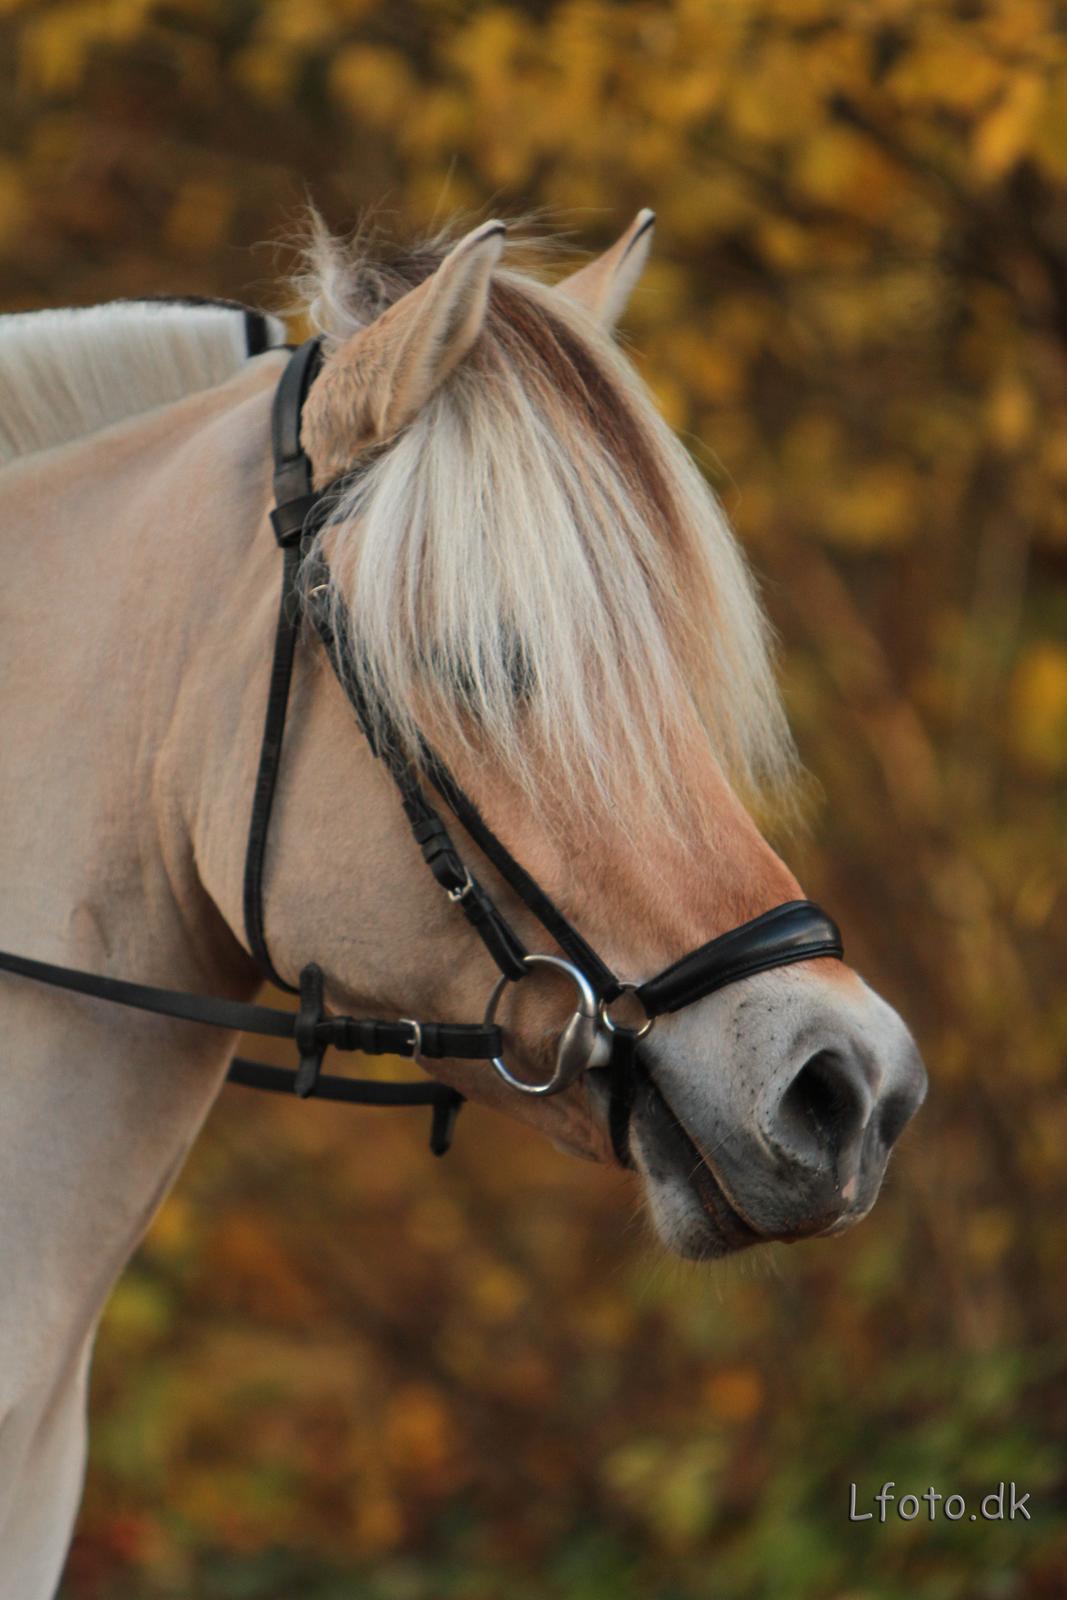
591	1040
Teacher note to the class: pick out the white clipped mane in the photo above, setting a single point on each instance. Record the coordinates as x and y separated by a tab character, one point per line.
537	568
65	374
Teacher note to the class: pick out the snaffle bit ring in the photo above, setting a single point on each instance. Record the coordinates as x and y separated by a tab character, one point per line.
612	1026
569	1063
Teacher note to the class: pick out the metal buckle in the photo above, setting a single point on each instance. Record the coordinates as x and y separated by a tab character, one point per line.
620	1027
416	1036
582	1043
457	896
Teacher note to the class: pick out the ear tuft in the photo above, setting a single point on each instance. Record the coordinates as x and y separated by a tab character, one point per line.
605	285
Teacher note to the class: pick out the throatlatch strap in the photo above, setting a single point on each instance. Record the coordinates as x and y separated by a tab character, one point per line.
294	499
270	750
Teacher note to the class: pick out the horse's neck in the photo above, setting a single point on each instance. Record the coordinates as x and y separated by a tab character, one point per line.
128	556
122	553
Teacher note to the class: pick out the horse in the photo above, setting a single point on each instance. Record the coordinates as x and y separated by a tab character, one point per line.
540	586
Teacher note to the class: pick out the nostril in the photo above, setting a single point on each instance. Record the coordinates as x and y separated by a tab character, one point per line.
825	1106
894	1115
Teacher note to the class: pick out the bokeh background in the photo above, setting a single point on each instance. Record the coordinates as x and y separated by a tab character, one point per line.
340	1368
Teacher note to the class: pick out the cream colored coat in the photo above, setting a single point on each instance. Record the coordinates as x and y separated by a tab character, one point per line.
136	616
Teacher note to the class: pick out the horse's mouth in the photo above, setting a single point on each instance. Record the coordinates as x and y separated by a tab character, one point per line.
668	1158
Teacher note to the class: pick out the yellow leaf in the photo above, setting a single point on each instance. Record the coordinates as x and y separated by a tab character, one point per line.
13	202
418	1428
374	83
57	43
1009	413
710	369
670	397
199	215
735	1394
137	1313
266	69
1039	706
948	68
171	1232
378	1523
303	26
1048	140
499	1293
435	122
990	1233
785	244
1035	898
874	508
840	166
770	100
1000	137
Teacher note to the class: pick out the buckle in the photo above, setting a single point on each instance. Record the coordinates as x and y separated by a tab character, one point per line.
416	1036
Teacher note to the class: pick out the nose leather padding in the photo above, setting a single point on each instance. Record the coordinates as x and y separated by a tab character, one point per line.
796	931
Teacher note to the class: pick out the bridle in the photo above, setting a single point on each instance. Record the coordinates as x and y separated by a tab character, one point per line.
591	1040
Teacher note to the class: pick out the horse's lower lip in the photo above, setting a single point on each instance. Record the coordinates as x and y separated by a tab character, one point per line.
733	1231
729	1221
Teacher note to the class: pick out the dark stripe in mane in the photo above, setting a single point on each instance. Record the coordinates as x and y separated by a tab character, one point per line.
557	358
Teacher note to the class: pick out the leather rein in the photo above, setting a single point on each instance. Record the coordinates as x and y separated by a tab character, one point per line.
796	931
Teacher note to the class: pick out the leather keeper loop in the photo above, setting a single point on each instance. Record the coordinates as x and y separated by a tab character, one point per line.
307	1030
502	943
443	1123
288	520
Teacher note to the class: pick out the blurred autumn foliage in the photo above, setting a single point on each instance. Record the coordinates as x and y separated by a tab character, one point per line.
338	1368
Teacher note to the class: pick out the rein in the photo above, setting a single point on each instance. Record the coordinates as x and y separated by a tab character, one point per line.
591	1040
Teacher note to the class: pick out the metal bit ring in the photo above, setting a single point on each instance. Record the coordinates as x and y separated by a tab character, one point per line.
566	1070
614	1027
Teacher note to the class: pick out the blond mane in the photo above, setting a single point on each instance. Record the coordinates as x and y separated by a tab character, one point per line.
536	568
68	373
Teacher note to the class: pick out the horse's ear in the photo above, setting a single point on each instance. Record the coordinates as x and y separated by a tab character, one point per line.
381	377
604	286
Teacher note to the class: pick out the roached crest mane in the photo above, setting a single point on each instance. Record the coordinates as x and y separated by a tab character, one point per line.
534	569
